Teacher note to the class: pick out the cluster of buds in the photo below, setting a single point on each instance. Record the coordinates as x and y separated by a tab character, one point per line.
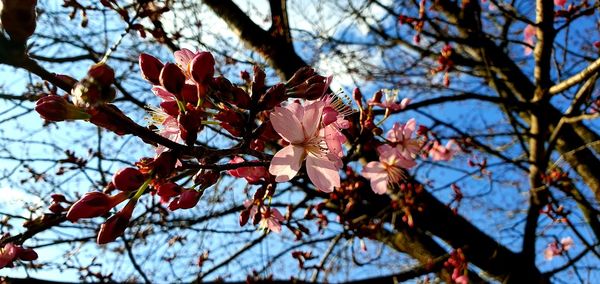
558	214
18	18
445	63
458	264
302	256
10	252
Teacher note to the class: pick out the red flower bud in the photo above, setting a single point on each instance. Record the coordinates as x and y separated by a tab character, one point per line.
168	189
102	74
172	78
27	254
300	76
274	96
244	216
206	178
111	118
377	97
202	67
128	179
18	18
150	67
56	197
57	108
93	204
164	164
115	225
189	199
56	208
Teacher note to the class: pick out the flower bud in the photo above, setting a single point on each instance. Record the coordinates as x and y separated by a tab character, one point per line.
57	197
115	225
189	198
274	96
202	67
27	254
167	190
91	204
300	76
206	178
164	164
57	108
128	179
244	217
150	67
111	118
18	18
377	97
172	78
56	208
102	74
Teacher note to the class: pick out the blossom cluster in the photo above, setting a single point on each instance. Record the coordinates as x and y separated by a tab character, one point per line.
299	122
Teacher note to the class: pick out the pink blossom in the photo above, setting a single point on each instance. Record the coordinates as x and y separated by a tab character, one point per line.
271	219
388	170
556	249
442	153
390	102
300	126
560	2
251	174
528	34
567	243
183	57
8	254
402	135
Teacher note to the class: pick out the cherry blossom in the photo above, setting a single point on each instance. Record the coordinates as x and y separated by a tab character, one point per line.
271	219
558	248
388	170
442	153
300	126
401	136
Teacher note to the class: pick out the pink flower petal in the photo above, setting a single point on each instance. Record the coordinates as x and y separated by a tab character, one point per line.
286	163
163	93
287	125
409	128
323	173
375	172
183	57
312	118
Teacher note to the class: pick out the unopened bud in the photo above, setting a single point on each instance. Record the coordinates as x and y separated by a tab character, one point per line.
57	108
244	217
102	74
274	96
202	67
115	225
206	178
172	78
128	179
189	198
150	67
300	76
93	204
